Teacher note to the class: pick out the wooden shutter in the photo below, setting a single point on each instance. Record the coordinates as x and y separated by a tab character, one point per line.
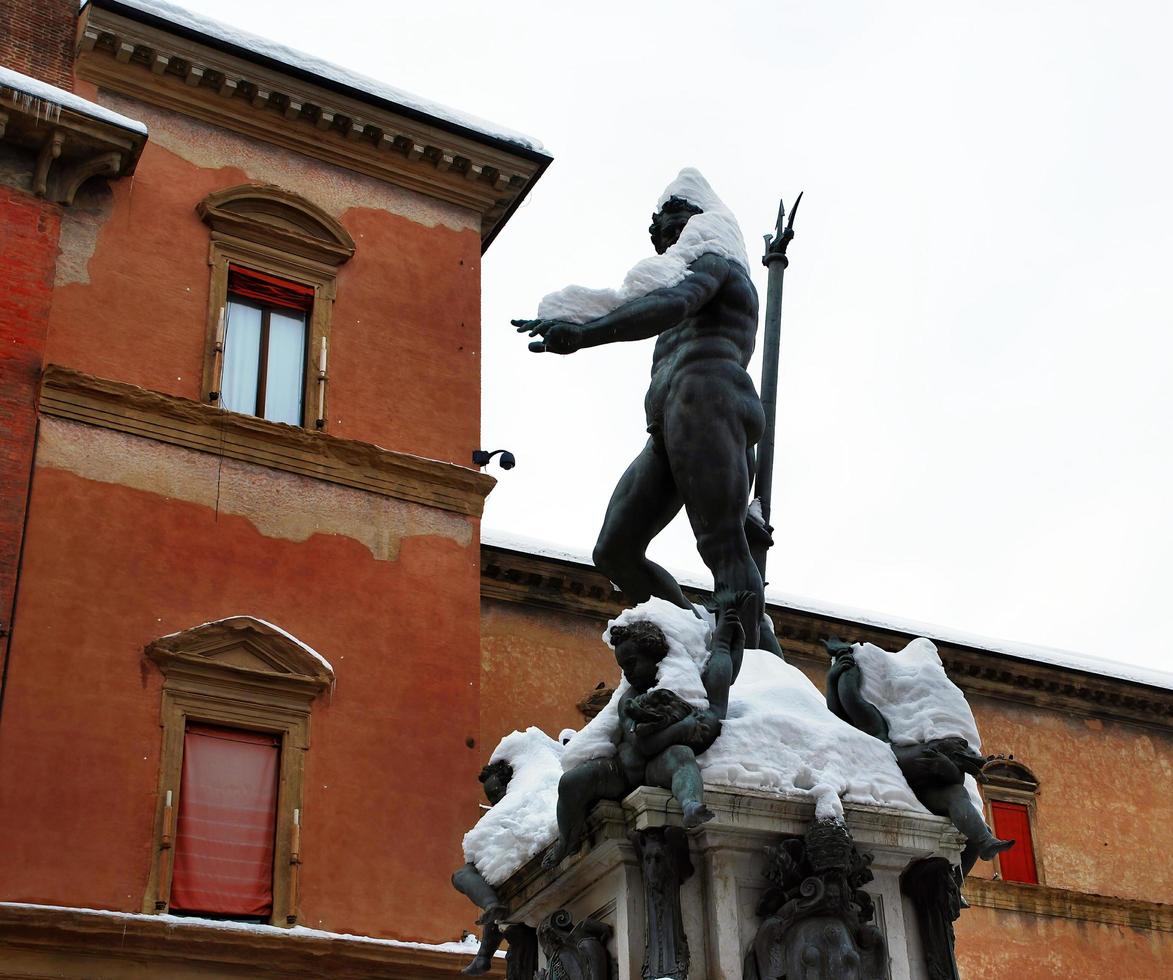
1012	821
227	816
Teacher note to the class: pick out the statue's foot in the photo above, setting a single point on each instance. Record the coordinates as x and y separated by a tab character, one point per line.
554	856
695	814
993	847
494	913
478	966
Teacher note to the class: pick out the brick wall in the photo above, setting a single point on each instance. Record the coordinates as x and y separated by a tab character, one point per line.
37	38
29	229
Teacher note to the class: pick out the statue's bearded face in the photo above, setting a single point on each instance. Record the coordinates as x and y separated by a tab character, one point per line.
668	223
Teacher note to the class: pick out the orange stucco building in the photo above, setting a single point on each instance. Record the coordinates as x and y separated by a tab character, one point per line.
172	565
170	569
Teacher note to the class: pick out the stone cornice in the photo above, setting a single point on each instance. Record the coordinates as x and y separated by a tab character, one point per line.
307	114
536	580
1044	900
69	394
94	944
68	147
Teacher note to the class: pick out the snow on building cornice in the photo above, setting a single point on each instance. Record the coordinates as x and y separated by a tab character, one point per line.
46	101
1030	653
253	47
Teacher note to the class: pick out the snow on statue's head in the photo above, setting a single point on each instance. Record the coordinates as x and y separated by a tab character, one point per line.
690	221
690	213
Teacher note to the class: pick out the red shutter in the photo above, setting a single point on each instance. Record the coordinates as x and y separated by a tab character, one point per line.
269	290
1012	821
227	815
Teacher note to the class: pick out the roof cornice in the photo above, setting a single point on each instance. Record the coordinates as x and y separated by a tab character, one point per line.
572	587
174	68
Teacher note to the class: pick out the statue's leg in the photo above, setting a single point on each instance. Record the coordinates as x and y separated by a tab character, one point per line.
863	714
579	790
468	881
706	449
643	503
490	942
980	840
676	769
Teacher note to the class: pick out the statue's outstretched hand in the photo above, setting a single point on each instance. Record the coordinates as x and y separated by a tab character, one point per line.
558	336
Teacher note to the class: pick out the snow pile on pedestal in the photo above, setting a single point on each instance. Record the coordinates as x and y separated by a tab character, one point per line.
779	735
916	697
524	822
715	231
679	671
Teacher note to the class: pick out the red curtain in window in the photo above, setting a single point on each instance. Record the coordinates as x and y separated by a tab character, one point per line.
227	816
269	289
1012	822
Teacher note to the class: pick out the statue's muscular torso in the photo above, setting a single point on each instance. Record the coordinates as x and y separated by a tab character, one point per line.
704	358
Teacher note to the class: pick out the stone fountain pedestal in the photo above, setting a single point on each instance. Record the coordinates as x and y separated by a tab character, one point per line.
604	881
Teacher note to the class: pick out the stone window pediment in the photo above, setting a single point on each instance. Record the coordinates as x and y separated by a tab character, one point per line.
244	646
268	215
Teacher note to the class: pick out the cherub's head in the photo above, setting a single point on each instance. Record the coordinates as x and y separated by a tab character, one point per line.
639	648
495	780
669	222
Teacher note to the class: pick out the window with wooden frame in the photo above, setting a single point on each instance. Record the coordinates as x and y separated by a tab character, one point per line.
274	258
1011	791
237	699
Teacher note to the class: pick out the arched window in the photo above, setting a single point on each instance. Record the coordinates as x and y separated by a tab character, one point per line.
274	259
237	698
1011	790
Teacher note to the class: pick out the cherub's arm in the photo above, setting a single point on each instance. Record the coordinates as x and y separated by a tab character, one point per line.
678	733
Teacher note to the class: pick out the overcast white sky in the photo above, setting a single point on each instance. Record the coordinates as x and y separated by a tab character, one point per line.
977	366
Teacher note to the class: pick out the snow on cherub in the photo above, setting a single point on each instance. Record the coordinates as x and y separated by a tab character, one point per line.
777	735
714	230
916	697
522	823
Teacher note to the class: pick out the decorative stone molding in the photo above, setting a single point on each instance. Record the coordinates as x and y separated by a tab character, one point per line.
247	93
182	422
244	673
1064	903
577	588
246	650
40	940
65	147
269	215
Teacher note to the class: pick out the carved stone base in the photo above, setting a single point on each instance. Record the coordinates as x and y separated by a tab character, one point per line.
604	881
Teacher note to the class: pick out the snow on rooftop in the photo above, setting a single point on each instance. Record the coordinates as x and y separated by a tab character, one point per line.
462	946
1133	673
33	95
361	84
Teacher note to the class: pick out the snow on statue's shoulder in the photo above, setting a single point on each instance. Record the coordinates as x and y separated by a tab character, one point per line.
523	823
714	231
913	693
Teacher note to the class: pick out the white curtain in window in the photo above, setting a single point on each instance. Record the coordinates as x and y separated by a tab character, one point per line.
242	350
285	375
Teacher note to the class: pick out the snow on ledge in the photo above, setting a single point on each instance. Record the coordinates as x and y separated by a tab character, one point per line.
291	58
1133	673
468	945
28	90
